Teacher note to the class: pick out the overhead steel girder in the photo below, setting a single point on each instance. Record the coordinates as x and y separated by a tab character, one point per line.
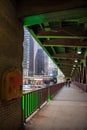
65	43
68	63
69	56
77	13
63	37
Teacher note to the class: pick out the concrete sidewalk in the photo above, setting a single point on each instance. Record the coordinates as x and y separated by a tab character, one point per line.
67	111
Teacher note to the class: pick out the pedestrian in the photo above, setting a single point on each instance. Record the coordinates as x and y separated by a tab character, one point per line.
66	82
69	82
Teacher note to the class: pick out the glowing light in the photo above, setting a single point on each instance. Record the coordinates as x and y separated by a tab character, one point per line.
76	60
79	51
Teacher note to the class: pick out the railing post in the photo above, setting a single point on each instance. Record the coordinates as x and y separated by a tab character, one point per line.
49	94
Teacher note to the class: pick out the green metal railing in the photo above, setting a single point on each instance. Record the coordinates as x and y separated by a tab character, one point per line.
33	100
30	102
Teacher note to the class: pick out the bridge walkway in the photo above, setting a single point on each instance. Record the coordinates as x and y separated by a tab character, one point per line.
66	111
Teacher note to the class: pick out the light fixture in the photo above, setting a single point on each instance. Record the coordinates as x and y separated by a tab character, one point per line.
76	60
73	68
79	51
74	65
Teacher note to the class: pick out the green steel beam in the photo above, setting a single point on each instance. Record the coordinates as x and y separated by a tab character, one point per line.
63	37
53	50
71	14
57	45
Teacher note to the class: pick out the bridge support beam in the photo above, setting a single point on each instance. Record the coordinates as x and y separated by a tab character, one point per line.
11	40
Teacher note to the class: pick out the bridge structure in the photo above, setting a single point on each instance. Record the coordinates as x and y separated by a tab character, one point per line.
59	27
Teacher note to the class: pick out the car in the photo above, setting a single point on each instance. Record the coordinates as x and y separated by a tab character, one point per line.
26	86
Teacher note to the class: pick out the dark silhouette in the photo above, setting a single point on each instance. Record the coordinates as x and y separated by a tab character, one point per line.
68	82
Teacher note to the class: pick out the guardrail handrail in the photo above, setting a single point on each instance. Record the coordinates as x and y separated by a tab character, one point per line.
31	101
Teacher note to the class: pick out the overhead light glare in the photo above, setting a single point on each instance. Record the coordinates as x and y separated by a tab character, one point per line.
74	65
79	51
76	60
73	69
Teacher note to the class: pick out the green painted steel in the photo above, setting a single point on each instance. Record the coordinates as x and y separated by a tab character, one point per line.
30	102
62	37
23	102
22	105
72	15
49	98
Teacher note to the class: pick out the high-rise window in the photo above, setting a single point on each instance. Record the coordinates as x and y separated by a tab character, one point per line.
28	54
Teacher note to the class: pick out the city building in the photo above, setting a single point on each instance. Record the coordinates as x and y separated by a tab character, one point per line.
52	68
26	49
31	56
39	62
35	60
45	64
28	54
36	46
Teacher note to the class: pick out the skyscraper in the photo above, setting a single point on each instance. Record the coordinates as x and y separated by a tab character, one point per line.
36	46
52	68
28	54
35	60
45	64
39	62
31	56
